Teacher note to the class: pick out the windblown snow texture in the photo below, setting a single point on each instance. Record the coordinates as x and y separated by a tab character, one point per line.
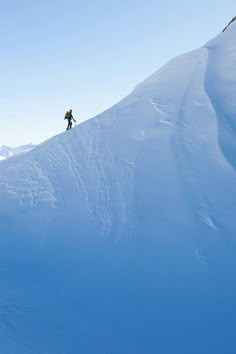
119	235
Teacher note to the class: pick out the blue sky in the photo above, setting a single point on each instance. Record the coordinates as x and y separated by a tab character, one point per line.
61	54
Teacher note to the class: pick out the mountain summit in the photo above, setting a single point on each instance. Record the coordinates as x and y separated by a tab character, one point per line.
119	235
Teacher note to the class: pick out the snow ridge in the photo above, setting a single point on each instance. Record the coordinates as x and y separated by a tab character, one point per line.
119	235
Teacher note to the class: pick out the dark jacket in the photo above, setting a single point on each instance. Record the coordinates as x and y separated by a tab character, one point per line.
69	116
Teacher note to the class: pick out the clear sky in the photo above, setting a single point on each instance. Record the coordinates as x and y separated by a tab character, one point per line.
87	55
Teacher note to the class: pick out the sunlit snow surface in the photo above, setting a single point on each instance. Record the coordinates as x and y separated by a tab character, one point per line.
118	237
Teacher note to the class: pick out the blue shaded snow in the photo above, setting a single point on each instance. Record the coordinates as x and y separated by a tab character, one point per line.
119	236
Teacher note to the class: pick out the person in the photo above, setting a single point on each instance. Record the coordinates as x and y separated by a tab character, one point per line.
69	117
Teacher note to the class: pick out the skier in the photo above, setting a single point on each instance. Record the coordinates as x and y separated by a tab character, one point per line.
69	117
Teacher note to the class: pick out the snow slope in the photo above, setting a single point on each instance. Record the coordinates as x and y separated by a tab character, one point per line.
119	235
6	151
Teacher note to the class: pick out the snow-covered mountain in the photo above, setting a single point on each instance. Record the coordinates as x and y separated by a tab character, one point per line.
119	235
7	151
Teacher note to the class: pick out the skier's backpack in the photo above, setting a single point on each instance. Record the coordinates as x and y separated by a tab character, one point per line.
67	115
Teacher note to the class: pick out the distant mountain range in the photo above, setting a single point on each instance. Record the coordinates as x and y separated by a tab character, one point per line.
6	151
